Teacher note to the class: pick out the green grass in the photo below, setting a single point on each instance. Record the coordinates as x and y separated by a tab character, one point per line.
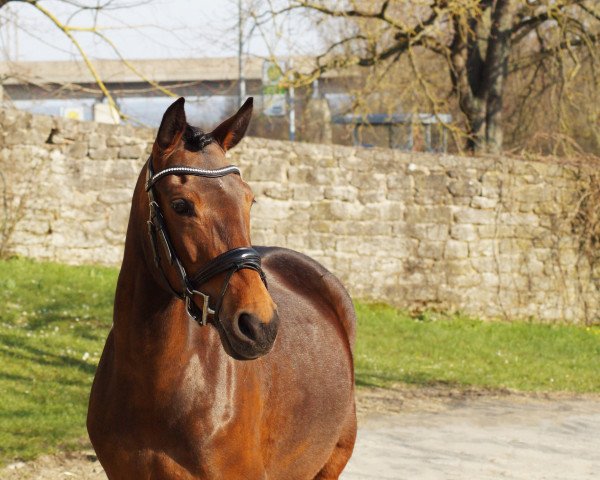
393	348
54	320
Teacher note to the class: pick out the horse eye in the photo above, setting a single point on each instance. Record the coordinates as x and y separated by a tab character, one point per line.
182	207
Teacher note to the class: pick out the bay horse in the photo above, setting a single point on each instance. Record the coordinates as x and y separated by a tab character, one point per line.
224	361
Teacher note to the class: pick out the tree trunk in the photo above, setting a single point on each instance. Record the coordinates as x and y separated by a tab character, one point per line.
466	74
479	66
495	72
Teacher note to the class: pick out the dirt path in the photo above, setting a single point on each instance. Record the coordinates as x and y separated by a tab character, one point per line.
486	438
437	433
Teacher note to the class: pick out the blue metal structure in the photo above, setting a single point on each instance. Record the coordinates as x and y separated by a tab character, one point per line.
426	120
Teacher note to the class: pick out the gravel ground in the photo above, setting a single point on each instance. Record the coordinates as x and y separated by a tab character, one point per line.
437	433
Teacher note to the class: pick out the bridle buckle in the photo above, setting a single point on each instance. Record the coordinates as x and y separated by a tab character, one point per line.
199	315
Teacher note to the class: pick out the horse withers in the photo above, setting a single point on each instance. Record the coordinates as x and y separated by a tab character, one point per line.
224	361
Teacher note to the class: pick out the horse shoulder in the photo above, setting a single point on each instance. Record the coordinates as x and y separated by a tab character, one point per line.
309	278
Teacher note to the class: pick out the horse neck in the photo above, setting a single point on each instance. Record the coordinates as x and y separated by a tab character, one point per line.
150	324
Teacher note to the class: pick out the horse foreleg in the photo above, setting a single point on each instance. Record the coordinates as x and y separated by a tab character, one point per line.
342	451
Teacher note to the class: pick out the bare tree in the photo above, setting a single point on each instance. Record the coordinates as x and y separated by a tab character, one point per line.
480	44
94	7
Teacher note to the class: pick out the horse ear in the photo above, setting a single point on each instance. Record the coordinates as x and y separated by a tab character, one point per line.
172	126
232	130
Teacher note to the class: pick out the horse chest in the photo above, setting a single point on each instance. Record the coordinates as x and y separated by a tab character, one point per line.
195	432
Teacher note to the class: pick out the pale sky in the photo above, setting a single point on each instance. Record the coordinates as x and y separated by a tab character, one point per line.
146	29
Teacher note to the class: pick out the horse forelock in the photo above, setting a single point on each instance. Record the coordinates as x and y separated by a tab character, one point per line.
195	139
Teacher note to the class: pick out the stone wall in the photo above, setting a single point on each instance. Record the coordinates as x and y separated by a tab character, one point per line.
493	237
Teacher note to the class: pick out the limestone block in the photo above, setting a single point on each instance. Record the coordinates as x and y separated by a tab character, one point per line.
322	243
116	140
456	249
470	280
368	181
532	194
485	265
484	203
464	188
17	137
423	293
307	192
267	171
77	150
42	125
103	153
514	218
490	192
346	193
458	267
131	151
401	248
482	248
474	216
325	176
431	249
427	231
268	208
385	211
547	208
508	263
96	141
417	169
355	163
295	174
117	173
433	214
435	183
68	237
349	245
260	237
514	284
325	226
389	270
400	181
94	233
113	196
338	210
279	192
374	196
404	195
464	232
364	228
117	220
22	237
532	266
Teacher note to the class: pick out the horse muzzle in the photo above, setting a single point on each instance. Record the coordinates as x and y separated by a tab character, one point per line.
251	337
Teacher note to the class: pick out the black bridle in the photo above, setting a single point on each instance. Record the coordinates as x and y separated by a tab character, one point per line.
228	262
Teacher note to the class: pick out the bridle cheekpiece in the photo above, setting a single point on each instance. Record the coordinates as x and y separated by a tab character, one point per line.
228	262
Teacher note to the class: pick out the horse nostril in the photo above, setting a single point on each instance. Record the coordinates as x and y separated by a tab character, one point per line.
249	326
251	337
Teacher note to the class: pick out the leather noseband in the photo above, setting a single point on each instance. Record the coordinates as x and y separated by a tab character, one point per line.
228	262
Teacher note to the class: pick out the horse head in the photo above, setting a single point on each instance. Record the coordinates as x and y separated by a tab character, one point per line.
200	231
